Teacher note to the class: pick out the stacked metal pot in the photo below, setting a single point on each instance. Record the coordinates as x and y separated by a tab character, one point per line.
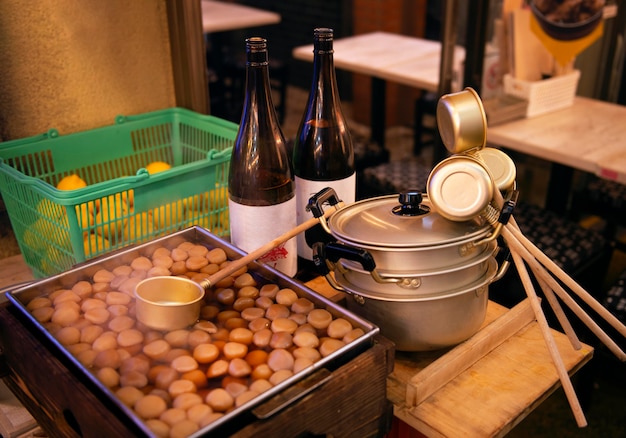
419	265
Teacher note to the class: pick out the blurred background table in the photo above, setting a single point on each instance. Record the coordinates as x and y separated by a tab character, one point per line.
222	16
588	136
384	56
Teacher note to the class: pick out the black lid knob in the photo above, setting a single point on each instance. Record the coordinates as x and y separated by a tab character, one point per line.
410	204
411	197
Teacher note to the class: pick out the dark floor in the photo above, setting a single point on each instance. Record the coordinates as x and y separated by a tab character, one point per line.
600	385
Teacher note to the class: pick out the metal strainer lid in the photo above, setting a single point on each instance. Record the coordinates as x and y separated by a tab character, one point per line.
372	222
500	165
460	188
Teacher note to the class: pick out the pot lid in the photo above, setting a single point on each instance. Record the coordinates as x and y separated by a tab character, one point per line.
378	222
500	165
460	188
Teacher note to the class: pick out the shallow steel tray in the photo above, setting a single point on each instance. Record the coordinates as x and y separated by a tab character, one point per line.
21	296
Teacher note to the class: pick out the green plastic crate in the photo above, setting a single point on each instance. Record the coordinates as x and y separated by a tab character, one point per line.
122	204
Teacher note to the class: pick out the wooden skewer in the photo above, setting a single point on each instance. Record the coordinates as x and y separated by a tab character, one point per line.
558	311
558	289
568	281
547	335
253	255
532	254
554	303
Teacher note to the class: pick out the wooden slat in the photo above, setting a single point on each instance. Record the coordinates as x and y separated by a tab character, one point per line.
447	367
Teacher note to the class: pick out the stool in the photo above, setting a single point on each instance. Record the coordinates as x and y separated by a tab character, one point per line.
583	254
395	177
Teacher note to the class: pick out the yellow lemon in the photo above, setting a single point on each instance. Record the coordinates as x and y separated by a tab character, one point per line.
47	208
129	198
43	232
71	182
109	221
218	198
85	215
139	226
197	217
31	239
214	221
157	166
169	215
197	202
56	257
94	244
219	206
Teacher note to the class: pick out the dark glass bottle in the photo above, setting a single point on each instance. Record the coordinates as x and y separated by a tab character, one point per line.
323	155
262	202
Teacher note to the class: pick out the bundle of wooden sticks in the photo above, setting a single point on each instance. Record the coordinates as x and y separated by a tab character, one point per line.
547	274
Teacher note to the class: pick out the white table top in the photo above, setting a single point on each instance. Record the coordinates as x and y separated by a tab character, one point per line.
220	16
397	58
589	136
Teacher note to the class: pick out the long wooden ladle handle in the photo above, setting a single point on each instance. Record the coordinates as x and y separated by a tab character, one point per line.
540	270
569	282
547	336
239	263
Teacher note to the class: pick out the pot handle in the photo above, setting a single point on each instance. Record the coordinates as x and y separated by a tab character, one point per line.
323	266
335	251
330	253
505	256
326	195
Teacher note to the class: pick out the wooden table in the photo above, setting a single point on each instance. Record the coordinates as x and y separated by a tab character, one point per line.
386	56
484	387
221	16
589	136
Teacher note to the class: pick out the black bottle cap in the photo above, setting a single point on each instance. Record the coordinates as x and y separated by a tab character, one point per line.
256	51
323	37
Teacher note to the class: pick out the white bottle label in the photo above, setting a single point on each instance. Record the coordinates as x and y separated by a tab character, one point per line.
251	227
345	189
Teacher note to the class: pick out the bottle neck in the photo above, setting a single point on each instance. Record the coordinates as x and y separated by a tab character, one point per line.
258	96
324	75
260	171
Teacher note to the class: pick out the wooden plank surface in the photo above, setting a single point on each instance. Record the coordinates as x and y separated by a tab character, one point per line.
505	383
13	271
586	136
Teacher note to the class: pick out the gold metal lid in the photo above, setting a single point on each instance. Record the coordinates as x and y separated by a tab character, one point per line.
460	188
462	121
501	167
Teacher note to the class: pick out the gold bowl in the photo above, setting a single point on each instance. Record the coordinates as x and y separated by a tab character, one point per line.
168	303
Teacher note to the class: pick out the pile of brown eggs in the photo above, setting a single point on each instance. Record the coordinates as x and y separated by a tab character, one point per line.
249	338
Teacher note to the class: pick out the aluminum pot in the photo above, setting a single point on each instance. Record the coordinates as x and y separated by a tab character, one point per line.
417	283
403	234
394	240
423	323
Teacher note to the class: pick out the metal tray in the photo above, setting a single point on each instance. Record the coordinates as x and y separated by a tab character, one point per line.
263	274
